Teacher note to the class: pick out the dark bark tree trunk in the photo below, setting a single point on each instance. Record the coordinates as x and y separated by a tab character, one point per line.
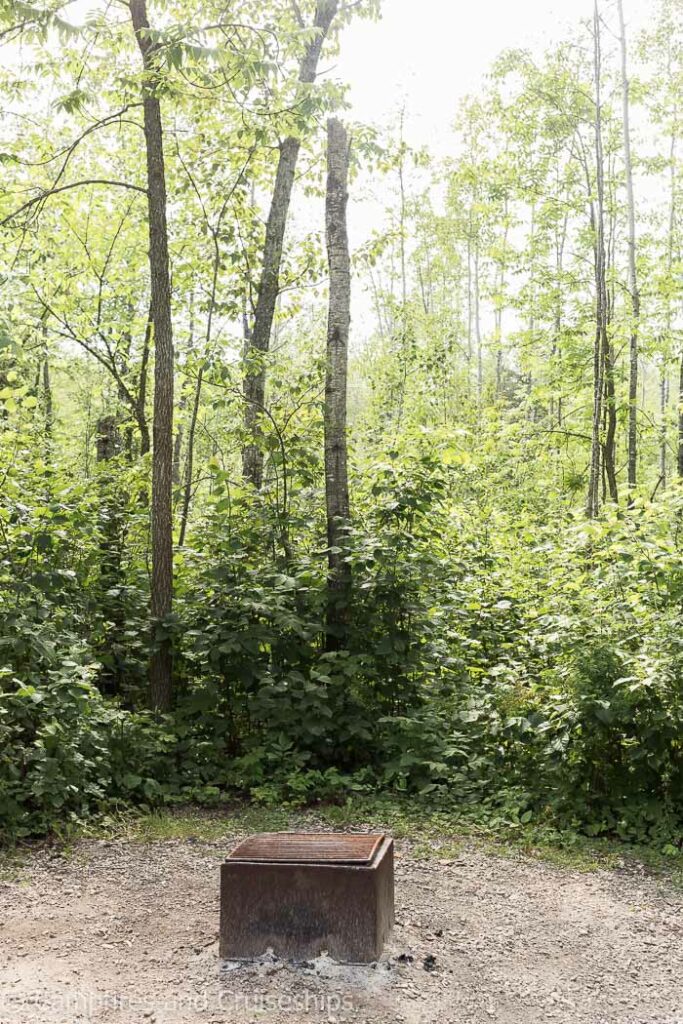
336	376
632	271
161	662
269	287
108	442
108	439
600	342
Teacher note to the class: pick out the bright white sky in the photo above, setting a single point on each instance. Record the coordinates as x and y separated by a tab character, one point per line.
430	53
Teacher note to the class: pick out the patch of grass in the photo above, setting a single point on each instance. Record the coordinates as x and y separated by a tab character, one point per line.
198	823
432	833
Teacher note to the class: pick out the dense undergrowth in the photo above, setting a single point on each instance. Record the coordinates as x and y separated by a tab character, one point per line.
506	657
511	651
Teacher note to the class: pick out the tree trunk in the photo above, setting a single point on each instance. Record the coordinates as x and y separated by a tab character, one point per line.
189	458
611	428
670	265
531	407
182	405
556	350
336	473
161	662
680	421
192	430
141	400
477	327
49	406
632	271
498	314
600	343
269	287
108	442
470	304
663	439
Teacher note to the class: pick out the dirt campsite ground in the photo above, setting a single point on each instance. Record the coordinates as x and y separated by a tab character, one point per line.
124	932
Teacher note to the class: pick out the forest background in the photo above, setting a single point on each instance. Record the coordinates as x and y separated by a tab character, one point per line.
246	552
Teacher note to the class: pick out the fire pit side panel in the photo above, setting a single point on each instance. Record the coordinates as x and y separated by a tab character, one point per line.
384	898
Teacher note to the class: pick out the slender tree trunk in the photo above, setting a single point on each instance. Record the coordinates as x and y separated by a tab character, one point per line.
470	304
161	662
680	420
141	400
610	446
600	344
178	440
500	288
670	265
611	425
632	270
406	327
269	287
402	214
182	405
336	474
192	429
556	352
48	405
108	443
663	439
477	327
189	459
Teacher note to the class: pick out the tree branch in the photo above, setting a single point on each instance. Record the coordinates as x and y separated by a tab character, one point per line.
46	193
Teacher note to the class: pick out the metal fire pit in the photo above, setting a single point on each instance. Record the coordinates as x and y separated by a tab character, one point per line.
301	893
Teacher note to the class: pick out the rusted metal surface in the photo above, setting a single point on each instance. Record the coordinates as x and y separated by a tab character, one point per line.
300	908
308	848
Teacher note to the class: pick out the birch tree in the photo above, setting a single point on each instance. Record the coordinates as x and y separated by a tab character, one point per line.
632	267
336	376
598	226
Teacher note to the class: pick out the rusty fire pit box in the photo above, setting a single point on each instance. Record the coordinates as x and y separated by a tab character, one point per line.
301	893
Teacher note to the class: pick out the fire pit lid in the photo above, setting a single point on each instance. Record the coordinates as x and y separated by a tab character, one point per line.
308	848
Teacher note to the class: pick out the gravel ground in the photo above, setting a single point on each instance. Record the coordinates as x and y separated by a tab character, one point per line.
126	933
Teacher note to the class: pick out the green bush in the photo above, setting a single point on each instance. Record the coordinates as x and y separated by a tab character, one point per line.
67	754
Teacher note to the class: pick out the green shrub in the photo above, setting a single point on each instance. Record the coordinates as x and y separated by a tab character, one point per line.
66	753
